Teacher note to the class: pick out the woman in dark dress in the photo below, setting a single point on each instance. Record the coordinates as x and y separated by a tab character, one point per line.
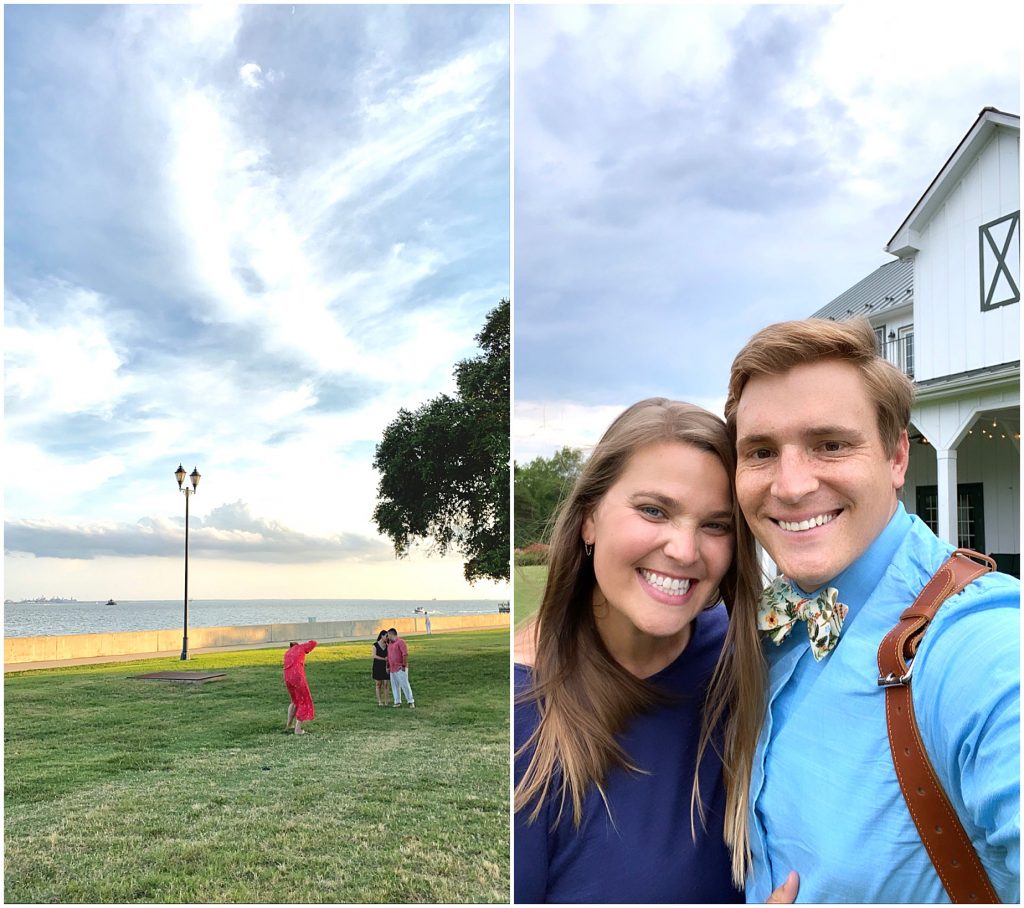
380	668
611	674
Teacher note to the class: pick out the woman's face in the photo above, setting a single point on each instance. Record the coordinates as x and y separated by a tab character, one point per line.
662	537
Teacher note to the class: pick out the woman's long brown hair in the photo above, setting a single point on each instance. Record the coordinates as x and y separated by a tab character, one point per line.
734	709
583	696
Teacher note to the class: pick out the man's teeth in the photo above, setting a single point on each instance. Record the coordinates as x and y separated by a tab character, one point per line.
807	524
672	585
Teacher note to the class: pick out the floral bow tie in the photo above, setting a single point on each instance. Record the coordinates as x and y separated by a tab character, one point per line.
781	607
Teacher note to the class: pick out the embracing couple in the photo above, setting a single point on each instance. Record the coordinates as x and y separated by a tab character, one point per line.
683	735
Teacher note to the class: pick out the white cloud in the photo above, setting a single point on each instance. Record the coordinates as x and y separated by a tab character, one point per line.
542	427
59	354
251	75
408	131
50	484
229	531
298	335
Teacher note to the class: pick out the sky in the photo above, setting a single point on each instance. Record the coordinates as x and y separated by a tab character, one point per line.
686	175
239	239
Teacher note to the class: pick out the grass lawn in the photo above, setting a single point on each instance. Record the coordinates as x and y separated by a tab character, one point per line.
119	790
529	587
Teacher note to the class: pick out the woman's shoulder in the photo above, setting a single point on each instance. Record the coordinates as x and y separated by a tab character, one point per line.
698	659
524	644
522	677
709	634
525	706
713	623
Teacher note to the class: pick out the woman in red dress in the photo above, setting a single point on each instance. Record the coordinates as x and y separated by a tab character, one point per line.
301	709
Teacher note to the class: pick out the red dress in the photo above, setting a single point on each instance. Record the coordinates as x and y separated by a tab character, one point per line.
295	679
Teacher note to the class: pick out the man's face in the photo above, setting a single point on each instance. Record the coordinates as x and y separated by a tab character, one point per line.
813	479
392	637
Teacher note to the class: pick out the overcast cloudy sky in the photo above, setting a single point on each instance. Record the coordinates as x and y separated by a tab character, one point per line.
240	238
685	175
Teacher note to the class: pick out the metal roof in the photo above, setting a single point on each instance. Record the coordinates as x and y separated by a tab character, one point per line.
886	288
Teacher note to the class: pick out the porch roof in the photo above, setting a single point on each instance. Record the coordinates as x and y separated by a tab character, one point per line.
887	287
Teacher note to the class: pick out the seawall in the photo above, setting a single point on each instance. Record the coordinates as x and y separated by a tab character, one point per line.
22	653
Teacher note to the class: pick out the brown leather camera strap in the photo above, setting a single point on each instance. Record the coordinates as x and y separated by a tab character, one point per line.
941	831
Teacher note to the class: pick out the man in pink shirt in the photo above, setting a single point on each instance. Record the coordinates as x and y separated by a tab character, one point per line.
398	665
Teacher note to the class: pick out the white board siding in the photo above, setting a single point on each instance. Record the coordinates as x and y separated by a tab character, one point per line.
953	335
994	463
945	422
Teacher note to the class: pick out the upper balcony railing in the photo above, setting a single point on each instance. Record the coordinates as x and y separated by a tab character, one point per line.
900	352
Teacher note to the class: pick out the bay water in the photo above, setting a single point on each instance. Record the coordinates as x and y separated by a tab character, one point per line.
37	619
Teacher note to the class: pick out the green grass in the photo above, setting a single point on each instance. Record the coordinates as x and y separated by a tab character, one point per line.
529	587
120	790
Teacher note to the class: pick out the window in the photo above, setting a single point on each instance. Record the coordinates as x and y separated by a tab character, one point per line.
970	513
906	362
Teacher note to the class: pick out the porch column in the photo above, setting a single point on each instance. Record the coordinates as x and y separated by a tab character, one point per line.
946	481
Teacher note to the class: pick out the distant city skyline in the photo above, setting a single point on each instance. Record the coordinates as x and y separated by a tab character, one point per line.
239	238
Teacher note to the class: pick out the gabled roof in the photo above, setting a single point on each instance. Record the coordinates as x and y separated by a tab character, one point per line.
905	240
886	288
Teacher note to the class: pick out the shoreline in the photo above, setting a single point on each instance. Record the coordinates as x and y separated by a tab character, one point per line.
35	619
29	653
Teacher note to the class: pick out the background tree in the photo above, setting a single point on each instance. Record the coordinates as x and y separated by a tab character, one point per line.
444	467
540	487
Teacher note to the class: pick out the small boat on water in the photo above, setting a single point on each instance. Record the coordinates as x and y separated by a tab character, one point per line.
504	608
111	602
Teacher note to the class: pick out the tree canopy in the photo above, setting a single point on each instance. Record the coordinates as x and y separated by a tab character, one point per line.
444	467
540	487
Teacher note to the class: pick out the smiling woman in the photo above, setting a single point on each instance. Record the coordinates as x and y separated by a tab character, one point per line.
611	676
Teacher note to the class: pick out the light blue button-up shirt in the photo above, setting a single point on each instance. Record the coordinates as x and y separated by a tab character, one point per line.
825	800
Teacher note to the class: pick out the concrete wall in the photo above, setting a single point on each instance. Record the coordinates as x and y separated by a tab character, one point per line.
24	652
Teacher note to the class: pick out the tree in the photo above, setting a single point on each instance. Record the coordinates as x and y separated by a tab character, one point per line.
540	487
444	468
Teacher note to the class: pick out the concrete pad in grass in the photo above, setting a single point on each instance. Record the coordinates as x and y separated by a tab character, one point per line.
195	677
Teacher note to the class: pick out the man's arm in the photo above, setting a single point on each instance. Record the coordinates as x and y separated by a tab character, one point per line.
967	700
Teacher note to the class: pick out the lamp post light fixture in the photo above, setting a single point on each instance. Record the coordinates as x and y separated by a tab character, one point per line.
179	474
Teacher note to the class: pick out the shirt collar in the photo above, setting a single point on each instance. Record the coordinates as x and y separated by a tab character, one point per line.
857	582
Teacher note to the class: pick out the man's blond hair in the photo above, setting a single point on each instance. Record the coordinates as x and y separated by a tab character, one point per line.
780	347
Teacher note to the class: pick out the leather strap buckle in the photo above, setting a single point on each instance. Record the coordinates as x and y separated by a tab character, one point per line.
892	680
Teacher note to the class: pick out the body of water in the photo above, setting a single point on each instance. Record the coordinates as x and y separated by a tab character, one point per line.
37	619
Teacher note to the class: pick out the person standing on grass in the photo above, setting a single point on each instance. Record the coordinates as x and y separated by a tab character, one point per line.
819	421
647	557
380	667
301	708
398	665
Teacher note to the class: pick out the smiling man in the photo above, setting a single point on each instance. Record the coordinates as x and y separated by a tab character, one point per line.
820	426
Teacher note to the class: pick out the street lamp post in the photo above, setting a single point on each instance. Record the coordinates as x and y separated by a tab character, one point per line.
179	474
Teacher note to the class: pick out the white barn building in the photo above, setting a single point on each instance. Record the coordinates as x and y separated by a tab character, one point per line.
947	312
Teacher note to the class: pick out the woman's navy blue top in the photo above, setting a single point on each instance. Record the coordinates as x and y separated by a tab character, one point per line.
644	851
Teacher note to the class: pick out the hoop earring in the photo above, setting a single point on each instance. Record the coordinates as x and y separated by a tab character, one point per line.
588	547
